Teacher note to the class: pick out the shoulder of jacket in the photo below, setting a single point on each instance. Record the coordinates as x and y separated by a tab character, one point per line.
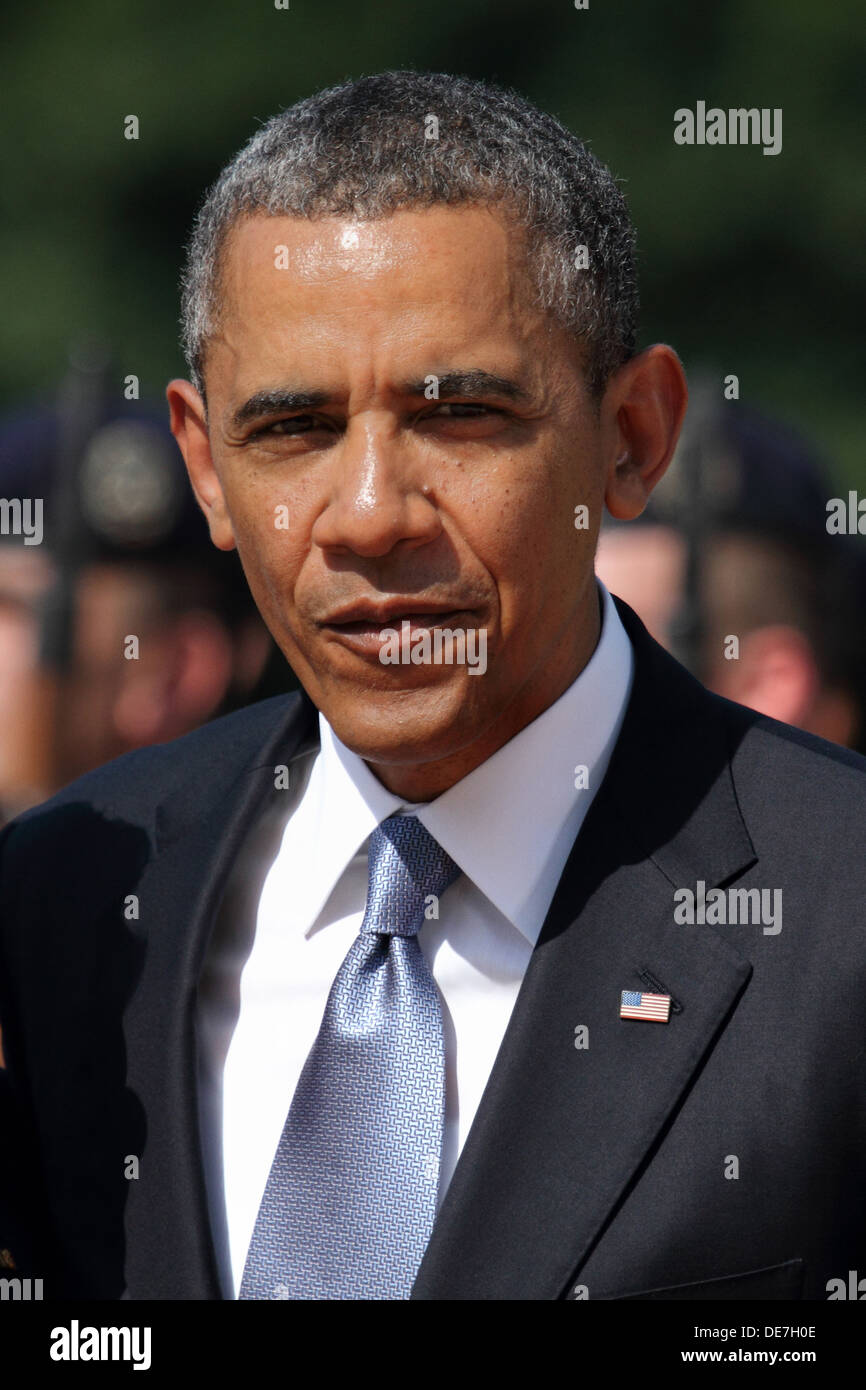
146	775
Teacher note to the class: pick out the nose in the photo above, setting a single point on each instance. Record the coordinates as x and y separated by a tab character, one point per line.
377	499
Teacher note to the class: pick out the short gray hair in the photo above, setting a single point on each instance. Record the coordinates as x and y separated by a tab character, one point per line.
361	149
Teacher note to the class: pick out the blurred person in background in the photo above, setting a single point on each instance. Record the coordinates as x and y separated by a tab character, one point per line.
732	569
125	555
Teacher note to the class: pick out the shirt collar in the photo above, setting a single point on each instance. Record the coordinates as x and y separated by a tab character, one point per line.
509	824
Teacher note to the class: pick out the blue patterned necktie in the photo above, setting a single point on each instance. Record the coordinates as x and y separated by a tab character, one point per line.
351	1198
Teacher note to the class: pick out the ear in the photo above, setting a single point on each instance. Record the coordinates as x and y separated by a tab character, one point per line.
641	416
189	427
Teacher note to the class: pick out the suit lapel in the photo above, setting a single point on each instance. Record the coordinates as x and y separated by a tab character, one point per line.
561	1133
199	832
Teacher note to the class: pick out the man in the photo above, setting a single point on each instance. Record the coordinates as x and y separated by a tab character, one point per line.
404	986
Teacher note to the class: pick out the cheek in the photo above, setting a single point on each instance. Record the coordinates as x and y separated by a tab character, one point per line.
523	530
270	546
498	509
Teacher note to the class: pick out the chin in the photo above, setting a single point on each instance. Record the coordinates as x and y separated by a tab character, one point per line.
407	726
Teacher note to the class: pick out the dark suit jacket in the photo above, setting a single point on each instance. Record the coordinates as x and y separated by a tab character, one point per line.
604	1171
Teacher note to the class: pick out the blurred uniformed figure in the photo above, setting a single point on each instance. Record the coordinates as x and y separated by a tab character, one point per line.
734	544
125	554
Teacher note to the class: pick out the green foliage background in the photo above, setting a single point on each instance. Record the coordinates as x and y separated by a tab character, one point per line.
750	264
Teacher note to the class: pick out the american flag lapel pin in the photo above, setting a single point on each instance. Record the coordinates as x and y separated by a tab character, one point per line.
655	1008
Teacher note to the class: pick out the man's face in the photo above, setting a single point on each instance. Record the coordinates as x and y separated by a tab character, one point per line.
357	500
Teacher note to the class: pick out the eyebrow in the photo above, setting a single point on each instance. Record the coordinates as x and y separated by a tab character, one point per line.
283	398
472	383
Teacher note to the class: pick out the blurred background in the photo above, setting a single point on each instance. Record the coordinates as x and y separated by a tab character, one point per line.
750	265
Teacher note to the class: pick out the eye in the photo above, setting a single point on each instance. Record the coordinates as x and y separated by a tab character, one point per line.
296	424
464	410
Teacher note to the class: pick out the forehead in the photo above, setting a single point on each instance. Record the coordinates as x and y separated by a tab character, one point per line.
419	243
456	274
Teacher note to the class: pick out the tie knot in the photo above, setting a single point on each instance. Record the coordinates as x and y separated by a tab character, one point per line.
406	866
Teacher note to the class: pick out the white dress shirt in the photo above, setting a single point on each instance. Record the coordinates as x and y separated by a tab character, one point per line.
509	825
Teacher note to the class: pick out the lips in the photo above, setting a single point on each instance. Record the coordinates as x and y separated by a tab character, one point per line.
364	628
379	615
